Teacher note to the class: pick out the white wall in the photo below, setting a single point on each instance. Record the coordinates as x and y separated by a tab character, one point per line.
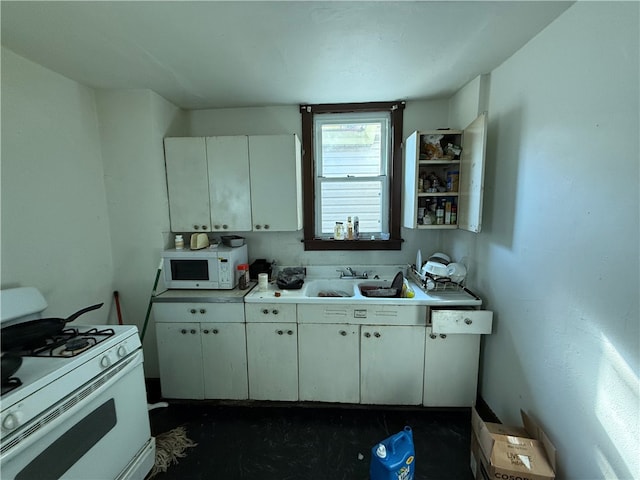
132	126
558	255
287	248
55	226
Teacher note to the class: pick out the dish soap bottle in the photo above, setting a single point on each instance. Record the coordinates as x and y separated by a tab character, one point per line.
356	228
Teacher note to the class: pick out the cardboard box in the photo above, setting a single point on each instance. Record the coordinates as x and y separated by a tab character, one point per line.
510	453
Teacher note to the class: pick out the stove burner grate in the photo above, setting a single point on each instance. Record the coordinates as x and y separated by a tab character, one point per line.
70	342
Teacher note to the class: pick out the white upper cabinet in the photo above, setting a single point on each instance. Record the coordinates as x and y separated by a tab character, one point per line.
234	183
187	184
229	185
444	178
276	188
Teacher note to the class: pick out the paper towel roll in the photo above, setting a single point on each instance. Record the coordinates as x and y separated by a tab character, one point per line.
263	281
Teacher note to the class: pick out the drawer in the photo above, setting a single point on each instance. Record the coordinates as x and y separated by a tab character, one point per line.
461	321
199	312
363	314
270	312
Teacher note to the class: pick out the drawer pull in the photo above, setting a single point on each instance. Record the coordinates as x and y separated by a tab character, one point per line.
183	331
279	332
275	311
205	331
289	332
343	333
193	332
433	336
265	311
193	311
442	335
468	321
376	334
202	310
367	334
204	227
215	331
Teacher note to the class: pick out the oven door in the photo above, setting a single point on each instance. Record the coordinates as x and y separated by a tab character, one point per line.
100	431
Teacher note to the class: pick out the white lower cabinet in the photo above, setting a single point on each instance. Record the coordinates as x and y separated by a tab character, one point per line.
391	364
180	360
452	355
329	362
272	356
224	360
202	359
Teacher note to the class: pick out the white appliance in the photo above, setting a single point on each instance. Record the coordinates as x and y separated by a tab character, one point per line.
77	412
214	268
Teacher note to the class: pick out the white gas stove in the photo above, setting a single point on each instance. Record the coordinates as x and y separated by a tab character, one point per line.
76	406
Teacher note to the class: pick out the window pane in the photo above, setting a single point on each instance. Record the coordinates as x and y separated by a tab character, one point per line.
361	199
351	149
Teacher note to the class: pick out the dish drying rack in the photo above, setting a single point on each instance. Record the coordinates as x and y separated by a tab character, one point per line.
434	283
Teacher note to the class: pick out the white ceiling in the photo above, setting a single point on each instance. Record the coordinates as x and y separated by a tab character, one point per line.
211	54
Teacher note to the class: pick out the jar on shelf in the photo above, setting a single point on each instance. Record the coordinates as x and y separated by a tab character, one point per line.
243	276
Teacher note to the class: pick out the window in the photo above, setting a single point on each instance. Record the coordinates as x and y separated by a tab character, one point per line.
352	167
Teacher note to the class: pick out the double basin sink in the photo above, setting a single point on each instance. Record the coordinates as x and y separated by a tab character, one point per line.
347	288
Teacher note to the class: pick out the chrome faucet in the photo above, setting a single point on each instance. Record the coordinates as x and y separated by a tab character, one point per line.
352	274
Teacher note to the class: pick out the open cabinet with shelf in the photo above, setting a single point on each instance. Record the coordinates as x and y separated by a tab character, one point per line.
444	176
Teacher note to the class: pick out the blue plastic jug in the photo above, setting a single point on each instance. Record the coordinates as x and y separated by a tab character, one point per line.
394	457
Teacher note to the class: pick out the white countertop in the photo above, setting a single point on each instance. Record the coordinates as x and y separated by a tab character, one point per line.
330	278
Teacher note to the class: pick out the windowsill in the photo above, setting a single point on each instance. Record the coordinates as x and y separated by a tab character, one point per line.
329	244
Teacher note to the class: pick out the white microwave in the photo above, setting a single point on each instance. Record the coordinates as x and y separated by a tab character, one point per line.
210	268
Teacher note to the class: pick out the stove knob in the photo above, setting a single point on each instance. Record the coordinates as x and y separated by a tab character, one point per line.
12	421
122	351
105	362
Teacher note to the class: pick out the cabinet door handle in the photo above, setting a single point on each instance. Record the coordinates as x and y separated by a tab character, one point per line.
183	331
258	227
202	310
217	227
205	331
468	321
343	333
225	226
266	227
367	334
215	331
377	335
289	332
193	332
204	227
279	332
265	311
193	311
196	227
275	311
433	336
442	335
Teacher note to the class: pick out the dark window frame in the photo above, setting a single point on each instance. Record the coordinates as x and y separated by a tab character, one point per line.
311	242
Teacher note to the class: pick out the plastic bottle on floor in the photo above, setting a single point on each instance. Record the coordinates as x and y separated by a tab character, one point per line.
394	457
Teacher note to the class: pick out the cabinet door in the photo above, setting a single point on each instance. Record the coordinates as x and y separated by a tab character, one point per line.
187	184
391	364
451	369
180	360
329	362
472	175
272	358
276	188
229	185
410	191
224	358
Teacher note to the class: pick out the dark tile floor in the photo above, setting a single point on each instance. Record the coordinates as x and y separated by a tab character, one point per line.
304	443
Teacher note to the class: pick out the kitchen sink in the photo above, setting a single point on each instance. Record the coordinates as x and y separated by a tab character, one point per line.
378	289
329	288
